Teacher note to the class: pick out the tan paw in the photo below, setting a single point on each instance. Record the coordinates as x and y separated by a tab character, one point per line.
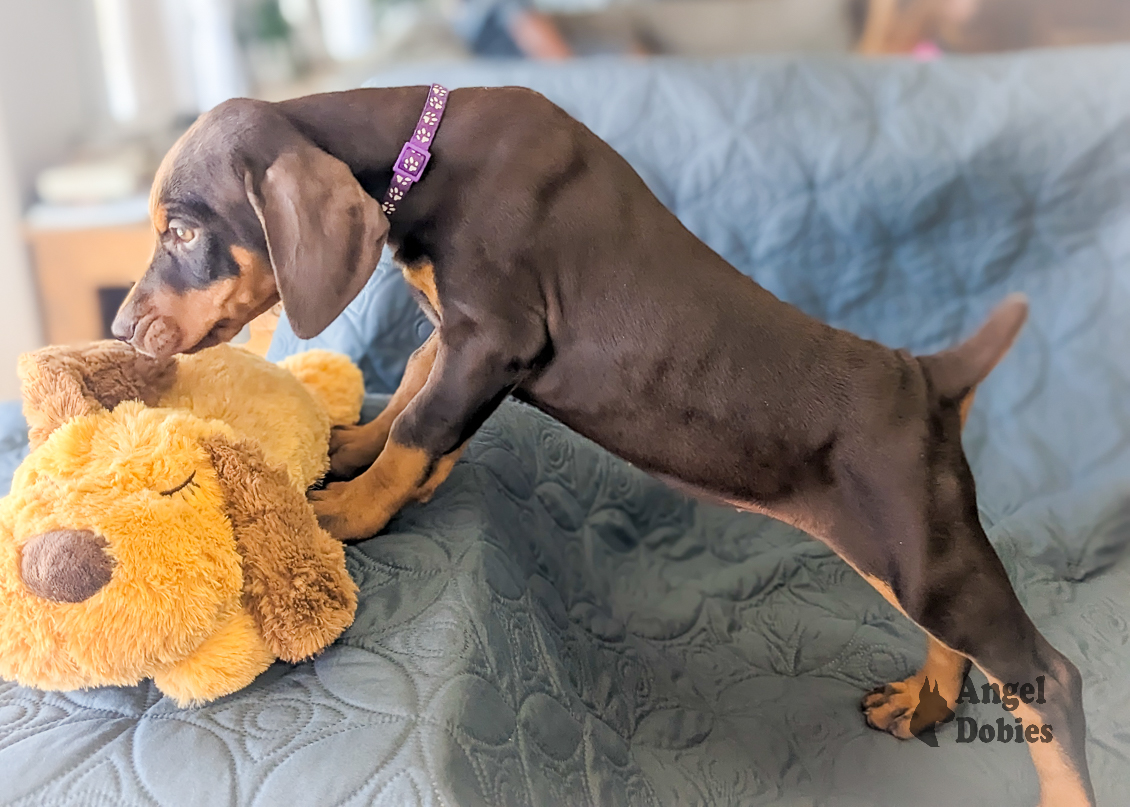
907	709
353	448
346	513
889	708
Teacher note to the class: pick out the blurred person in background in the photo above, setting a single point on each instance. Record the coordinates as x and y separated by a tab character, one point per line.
517	29
510	29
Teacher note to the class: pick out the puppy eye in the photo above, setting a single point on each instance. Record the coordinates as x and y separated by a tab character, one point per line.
183	234
181	486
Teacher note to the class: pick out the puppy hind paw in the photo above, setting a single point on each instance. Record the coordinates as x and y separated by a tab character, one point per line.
889	708
908	708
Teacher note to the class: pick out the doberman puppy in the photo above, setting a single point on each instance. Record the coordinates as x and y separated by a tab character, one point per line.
553	274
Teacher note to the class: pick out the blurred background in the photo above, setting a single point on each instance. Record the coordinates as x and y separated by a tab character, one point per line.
92	93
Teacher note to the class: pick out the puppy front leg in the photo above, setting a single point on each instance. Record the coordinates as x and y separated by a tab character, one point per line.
472	373
353	448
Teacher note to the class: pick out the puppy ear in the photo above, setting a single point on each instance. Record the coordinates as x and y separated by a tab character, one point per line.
294	581
324	234
61	383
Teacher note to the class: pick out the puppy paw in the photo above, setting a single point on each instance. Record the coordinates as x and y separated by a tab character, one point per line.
346	513
890	707
908	708
353	448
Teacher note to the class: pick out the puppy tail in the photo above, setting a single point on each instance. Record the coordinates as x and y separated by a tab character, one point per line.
956	372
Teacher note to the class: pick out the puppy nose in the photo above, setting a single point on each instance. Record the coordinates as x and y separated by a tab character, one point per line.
123	326
66	565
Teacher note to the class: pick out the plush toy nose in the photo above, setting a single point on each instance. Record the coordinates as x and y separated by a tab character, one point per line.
66	565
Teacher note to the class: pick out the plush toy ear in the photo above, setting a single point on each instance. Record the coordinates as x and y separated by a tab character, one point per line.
61	383
294	580
324	234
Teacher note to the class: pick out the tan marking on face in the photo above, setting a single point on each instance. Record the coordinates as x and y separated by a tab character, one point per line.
422	277
160	218
157	212
250	262
180	322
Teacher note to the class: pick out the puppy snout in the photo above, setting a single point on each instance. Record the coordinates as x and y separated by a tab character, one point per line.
125	321
123	327
66	565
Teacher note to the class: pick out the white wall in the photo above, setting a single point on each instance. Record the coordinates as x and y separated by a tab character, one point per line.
50	85
50	96
20	328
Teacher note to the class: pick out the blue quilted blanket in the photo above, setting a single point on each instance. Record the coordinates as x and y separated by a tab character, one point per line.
557	628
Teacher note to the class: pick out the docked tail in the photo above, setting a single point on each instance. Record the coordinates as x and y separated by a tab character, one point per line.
956	372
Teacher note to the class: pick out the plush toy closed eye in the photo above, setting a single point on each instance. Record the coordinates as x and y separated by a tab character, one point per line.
159	527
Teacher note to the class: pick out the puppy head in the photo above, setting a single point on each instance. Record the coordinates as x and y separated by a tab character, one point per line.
247	210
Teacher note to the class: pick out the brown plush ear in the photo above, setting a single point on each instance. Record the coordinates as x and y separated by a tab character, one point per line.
295	584
60	383
324	234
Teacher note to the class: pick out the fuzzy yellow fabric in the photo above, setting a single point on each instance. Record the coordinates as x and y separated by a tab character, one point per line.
176	572
331	378
226	661
144	479
292	432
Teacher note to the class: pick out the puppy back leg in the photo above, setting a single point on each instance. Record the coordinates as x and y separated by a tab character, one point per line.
891	707
975	611
943	573
475	367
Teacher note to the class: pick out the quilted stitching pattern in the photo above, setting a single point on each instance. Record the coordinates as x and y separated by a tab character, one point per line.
555	627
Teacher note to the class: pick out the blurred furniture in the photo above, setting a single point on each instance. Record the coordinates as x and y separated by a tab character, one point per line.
556	628
82	272
712	28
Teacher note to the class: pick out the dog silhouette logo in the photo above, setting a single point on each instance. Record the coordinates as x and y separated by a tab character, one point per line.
932	709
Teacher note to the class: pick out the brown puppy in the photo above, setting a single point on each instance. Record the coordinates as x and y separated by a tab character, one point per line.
552	273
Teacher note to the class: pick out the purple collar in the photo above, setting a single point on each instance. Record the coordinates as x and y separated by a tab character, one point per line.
414	157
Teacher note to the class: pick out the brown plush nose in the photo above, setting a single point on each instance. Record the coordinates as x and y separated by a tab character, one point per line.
66	565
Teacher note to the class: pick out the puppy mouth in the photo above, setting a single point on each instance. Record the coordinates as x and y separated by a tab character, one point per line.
222	331
140	331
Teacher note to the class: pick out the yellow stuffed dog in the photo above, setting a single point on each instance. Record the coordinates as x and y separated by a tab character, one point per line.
159	528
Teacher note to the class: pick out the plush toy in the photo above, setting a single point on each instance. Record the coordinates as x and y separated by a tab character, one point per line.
159	527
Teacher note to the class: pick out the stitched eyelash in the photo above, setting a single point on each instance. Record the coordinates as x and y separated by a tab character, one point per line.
181	486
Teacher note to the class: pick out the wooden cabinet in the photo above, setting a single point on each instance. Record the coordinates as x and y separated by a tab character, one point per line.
72	265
